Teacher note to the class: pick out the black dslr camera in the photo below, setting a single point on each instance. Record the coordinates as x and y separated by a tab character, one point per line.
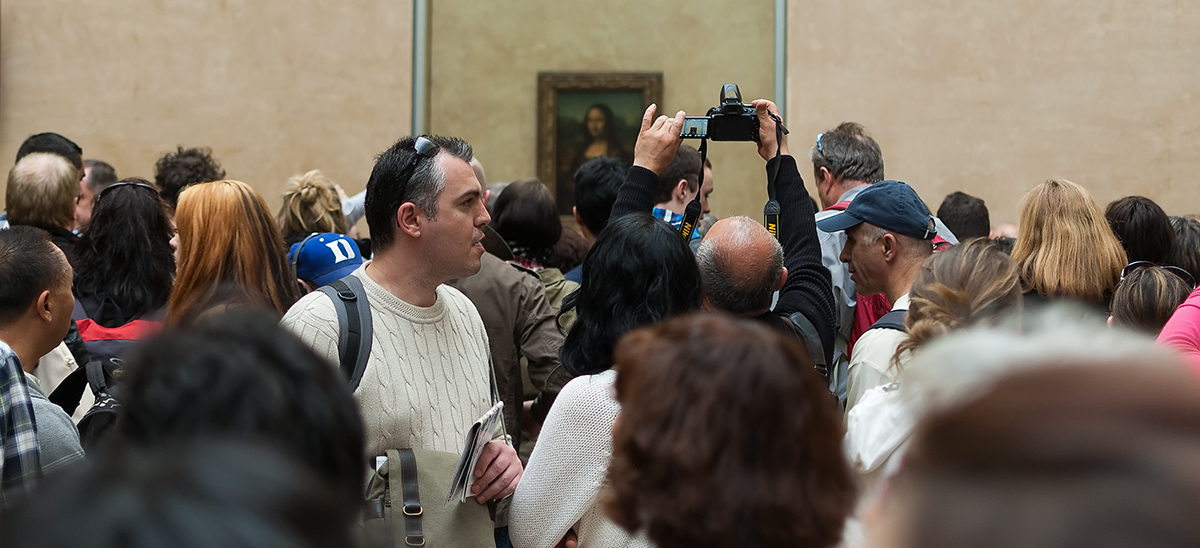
732	121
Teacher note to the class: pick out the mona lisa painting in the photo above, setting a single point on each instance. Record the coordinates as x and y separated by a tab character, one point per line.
585	115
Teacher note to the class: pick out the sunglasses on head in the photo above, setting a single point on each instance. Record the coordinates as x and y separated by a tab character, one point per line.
821	150
1183	274
424	148
125	183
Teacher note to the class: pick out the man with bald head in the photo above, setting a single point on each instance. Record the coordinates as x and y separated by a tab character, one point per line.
741	267
741	263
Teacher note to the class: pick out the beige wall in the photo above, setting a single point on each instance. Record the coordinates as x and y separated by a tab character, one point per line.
993	98
275	88
486	56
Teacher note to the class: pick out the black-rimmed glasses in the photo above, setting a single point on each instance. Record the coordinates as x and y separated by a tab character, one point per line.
1183	274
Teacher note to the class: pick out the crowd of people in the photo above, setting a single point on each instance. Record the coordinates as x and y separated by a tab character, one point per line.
184	367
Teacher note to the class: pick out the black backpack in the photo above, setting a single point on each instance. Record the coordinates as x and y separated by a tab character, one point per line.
101	419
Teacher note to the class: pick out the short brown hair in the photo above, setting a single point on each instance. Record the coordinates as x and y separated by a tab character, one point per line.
727	437
685	165
1147	298
1069	455
41	191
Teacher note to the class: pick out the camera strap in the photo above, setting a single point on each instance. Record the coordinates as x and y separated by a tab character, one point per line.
691	214
771	211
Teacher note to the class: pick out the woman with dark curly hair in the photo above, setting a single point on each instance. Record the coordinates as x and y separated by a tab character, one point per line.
639	272
126	265
727	437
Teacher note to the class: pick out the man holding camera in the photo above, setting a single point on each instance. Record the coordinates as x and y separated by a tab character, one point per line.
741	264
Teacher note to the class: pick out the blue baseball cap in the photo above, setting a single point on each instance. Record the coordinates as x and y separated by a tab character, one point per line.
324	258
890	205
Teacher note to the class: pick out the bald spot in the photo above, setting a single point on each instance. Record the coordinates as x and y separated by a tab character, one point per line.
743	250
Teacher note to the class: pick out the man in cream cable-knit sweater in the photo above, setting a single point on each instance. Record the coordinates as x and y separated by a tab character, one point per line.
427	379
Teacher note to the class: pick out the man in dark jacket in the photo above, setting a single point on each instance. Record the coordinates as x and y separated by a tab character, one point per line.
740	266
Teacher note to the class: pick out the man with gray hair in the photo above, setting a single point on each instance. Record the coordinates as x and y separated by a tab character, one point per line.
846	161
889	234
41	193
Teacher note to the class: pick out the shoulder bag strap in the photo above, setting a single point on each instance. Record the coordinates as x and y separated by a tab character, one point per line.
808	333
409	492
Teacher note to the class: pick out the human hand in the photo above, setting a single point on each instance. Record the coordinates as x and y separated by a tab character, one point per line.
529	425
658	140
766	130
569	540
497	472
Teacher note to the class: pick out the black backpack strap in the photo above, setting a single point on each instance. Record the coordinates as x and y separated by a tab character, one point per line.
891	320
96	378
354	326
812	340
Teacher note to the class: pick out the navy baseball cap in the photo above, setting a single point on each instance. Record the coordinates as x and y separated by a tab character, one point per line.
325	258
890	205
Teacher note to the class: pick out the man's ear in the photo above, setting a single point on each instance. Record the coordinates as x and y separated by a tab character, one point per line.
890	246
43	306
782	279
826	179
681	190
578	219
410	219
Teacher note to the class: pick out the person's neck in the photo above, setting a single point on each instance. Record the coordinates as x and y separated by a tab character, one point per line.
674	206
847	186
900	284
405	278
24	344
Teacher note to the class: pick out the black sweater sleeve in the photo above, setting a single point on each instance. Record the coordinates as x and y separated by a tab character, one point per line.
808	289
637	193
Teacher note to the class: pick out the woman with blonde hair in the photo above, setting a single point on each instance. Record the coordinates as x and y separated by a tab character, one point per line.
970	284
1066	249
310	204
228	251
